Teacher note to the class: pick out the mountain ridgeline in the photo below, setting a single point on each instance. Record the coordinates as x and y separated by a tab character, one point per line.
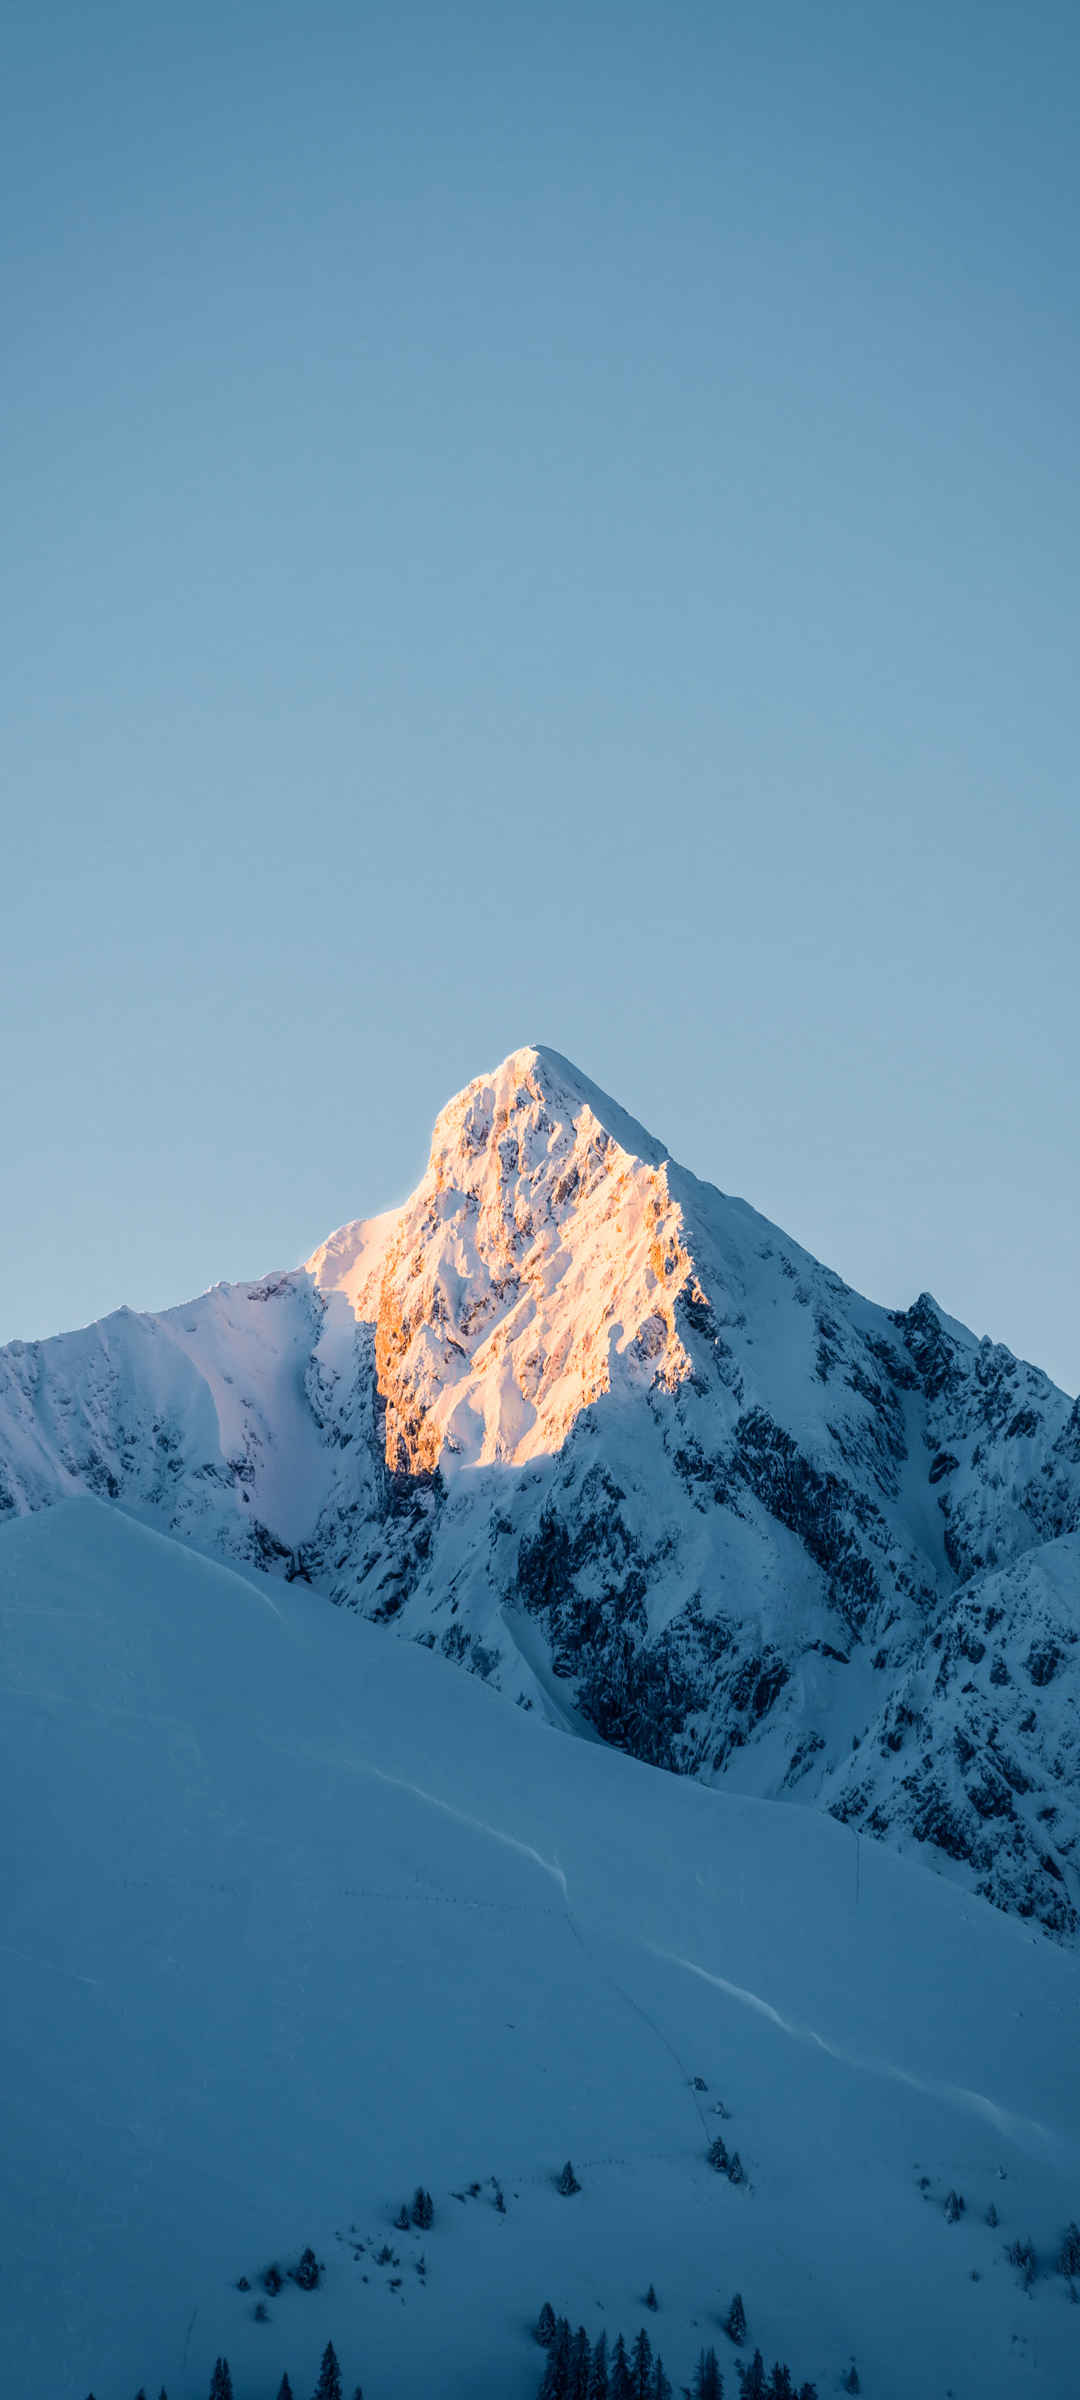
607	1438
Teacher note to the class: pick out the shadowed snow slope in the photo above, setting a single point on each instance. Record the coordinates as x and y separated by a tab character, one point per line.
300	1918
604	1436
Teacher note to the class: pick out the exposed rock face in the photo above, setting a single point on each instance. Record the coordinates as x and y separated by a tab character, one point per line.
610	1439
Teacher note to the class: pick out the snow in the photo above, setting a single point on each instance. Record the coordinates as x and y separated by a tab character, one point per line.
299	1917
607	1437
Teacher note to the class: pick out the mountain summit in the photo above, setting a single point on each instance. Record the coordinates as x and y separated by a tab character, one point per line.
609	1439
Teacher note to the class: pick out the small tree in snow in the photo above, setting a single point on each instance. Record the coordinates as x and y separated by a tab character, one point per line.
708	2384
598	2370
954	2208
1022	2255
309	2272
752	2382
556	2378
285	2390
850	2382
423	2209
567	2183
735	2320
621	2385
641	2367
1069	2260
221	2387
718	2156
651	2300
545	2326
328	2386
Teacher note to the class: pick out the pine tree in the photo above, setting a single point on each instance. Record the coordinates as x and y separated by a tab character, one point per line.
1069	2260
556	2378
1022	2255
309	2272
718	2157
567	2183
221	2381
402	2221
621	2384
328	2386
579	2365
660	2387
285	2390
780	2383
992	2215
752	2382
808	2391
736	2172
954	2208
850	2382
735	2320
598	2371
641	2367
651	2300
545	2326
707	2379
423	2209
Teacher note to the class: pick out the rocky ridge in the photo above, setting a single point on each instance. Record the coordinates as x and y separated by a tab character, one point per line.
606	1437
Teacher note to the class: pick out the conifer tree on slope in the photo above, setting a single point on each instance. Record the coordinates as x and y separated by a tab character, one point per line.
328	2386
735	2320
660	2387
621	2385
556	2379
752	2379
221	2387
579	2365
641	2367
708	2383
545	2326
285	2390
598	2371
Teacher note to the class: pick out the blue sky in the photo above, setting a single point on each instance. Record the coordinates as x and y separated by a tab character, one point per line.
549	526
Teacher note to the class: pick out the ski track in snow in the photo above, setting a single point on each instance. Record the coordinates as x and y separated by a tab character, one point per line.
557	1873
1019	2129
1025	2131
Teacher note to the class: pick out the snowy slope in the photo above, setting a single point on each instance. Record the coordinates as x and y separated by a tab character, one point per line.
605	1436
299	1918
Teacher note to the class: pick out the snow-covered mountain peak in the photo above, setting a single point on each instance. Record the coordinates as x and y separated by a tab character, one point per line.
535	1267
608	1437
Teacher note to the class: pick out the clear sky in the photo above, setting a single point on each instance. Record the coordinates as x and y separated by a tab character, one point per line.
549	524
